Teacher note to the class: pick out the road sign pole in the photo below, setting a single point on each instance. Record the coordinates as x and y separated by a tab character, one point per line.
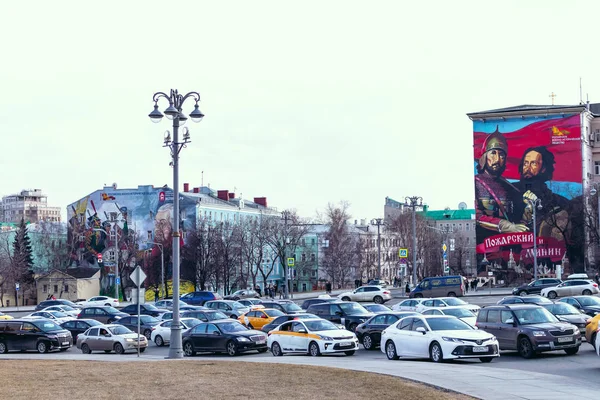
138	307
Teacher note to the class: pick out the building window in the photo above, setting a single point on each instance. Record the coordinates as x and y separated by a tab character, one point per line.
597	167
45	289
313	273
55	288
313	257
303	242
303	257
66	288
312	241
149	237
467	227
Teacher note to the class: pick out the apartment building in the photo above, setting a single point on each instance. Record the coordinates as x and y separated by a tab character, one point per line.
30	205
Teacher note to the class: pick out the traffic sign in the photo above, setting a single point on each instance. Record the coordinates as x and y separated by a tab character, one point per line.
403	253
446	267
290	261
17	286
444	247
403	261
445	255
118	281
137	276
99	258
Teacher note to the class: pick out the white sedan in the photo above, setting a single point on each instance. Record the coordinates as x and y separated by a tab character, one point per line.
447	302
575	287
70	311
376	294
459	312
407	305
161	333
312	336
56	316
99	301
438	338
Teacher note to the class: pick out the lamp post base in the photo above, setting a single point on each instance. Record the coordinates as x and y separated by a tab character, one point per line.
175	347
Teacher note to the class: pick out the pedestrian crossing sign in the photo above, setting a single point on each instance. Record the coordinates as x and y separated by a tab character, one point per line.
290	261
403	253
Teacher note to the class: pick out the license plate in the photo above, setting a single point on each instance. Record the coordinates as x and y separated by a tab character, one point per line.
565	339
261	342
480	349
343	344
65	343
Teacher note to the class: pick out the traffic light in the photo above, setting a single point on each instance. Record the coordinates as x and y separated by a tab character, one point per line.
99	258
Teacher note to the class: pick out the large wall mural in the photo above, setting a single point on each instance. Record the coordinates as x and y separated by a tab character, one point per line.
520	163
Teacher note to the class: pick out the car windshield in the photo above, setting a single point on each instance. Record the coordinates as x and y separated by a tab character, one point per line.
232	326
589	301
146	319
68	303
353	308
47	326
562	309
119	330
530	316
67	308
320	325
291	307
191	322
455	302
112	310
448	324
274	313
58	314
377	308
151	307
459	312
93	322
236	304
238	292
211	316
536	300
305	316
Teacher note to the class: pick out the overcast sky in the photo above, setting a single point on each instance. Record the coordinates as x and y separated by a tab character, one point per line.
306	103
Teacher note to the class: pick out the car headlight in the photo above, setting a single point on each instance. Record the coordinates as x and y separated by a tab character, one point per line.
539	333
325	337
52	337
492	338
450	339
130	340
243	339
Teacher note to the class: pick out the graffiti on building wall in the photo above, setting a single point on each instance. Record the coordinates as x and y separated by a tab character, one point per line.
525	166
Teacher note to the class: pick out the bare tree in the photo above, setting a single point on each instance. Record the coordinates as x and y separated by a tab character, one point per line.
51	248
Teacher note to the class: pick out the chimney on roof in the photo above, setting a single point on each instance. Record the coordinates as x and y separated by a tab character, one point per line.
223	195
262	201
231	196
196	190
186	187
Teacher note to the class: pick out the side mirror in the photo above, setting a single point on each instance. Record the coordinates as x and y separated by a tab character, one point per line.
217	333
442	305
302	330
422	330
510	321
338	313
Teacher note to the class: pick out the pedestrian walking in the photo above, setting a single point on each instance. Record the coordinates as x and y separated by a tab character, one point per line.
328	287
281	292
257	289
407	290
155	294
597	278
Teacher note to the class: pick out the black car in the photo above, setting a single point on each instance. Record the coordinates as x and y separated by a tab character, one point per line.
226	336
567	313
536	286
588	304
199	298
285	318
78	326
145	309
529	299
59	302
205	315
146	324
41	334
369	333
310	302
348	313
104	314
285	306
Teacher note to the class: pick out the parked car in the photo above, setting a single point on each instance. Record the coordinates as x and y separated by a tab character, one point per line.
146	322
447	302
376	308
199	298
588	304
459	312
536	286
107	338
205	315
319	300
407	305
161	333
450	286
55	316
242	294
572	287
578	276
529	329
106	315
228	307
376	294
438	338
167	316
99	301
591	329
4	316
68	310
567	313
285	306
38	334
311	336
79	326
378	282
58	302
249	302
145	309
349	314
256	319
285	318
369	333
527	299
168	304
223	336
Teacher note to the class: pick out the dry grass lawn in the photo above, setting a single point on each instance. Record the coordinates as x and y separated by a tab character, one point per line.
35	379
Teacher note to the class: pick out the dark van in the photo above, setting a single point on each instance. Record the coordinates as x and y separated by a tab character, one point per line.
439	286
40	334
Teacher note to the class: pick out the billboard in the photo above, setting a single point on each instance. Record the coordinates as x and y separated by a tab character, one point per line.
526	169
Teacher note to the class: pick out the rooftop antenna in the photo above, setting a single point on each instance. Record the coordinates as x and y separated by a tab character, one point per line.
552	96
202	179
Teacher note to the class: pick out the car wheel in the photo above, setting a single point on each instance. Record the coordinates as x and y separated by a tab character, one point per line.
435	353
522	293
158	340
85	349
418	296
42	347
345	298
552	295
3	348
587	292
524	347
143	349
276	349
451	294
572	351
313	349
148	334
486	359
349	352
231	348
378	300
107	305
390	350
367	342
188	349
352	327
119	348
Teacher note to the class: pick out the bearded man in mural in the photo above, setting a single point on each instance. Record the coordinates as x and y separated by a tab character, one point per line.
536	168
496	206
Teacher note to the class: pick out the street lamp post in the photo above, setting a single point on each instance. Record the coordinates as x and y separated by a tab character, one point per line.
535	205
174	113
414	202
378	222
285	216
162	268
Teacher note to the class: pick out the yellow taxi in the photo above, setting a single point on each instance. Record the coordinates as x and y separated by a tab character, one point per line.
256	319
590	330
4	316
